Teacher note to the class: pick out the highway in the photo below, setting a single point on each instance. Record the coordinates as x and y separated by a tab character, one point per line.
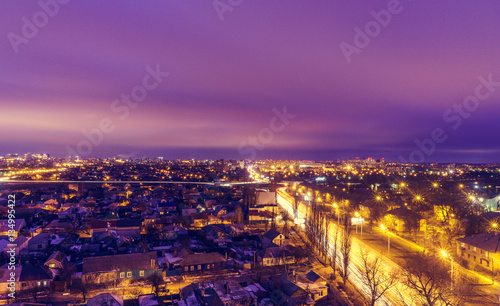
223	184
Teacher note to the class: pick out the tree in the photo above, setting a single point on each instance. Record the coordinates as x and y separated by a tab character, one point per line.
427	277
156	280
335	249
286	218
345	250
85	287
378	281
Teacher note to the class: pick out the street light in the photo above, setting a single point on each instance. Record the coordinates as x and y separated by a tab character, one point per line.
356	214
445	255
388	239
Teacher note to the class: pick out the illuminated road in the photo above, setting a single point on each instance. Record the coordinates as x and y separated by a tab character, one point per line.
393	297
485	294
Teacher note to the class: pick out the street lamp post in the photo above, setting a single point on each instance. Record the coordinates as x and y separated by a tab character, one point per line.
495	227
388	239
445	255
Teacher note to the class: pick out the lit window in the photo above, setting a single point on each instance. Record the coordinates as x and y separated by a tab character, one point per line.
141	273
208	267
129	274
122	275
38	283
199	267
186	268
192	268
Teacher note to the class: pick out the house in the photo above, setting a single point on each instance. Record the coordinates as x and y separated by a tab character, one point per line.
256	216
4	246
11	228
172	232
57	262
58	227
277	256
107	269
40	242
480	249
32	276
19	244
105	299
220	292
286	292
167	207
316	285
6	278
273	238
402	219
203	262
74	213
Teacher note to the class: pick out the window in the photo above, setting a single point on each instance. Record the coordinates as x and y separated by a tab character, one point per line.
208	267
186	268
141	273
52	265
474	249
199	267
38	283
129	274
122	274
153	262
213	266
192	268
44	283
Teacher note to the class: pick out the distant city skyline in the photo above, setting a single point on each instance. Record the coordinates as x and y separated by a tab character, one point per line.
203	86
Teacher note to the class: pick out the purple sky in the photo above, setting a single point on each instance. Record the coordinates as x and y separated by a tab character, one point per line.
227	76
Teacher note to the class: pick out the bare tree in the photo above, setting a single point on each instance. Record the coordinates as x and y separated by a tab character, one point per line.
428	278
326	241
156	280
85	287
378	281
286	218
335	250
345	250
